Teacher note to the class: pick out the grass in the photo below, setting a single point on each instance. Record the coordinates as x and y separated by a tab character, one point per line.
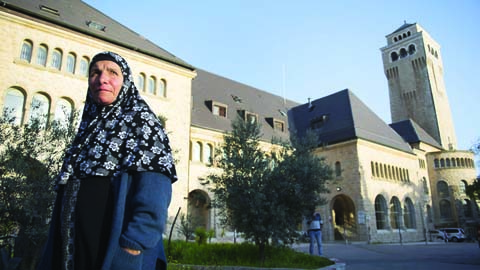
181	254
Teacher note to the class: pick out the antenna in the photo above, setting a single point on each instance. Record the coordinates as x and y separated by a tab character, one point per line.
283	84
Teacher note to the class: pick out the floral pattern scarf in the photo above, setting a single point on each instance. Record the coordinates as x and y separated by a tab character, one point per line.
124	136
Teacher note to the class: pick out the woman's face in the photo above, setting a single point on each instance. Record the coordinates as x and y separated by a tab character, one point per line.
105	81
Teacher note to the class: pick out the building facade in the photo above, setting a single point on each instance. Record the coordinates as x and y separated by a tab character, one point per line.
391	182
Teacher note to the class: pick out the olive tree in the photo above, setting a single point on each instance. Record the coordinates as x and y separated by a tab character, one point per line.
265	195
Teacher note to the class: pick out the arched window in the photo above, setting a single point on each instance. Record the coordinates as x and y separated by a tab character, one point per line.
338	169
442	163
26	52
197	151
467	208
435	163
442	189
84	63
394	56
71	60
13	105
56	62
409	214
462	187
208	153
447	161
372	168
403	52
42	55
425	186
411	49
462	162
395	213
381	212
152	85
63	112
454	163
162	88
141	82
445	209
39	109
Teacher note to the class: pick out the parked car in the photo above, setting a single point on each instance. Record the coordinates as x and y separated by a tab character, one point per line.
436	234
454	234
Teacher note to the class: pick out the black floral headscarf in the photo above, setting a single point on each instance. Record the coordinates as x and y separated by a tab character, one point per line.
124	136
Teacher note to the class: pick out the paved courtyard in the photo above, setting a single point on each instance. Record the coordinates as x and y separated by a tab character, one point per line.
409	256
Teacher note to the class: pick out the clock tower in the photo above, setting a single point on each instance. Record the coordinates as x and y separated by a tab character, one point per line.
413	66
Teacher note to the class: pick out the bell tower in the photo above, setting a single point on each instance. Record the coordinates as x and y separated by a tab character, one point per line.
413	66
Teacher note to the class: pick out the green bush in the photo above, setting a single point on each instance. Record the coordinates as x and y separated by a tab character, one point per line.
200	235
183	254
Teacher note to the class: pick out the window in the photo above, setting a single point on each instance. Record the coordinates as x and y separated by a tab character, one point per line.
462	187
394	56
409	214
395	213
442	189
84	62
162	88
63	112
42	55
208	153
251	118
152	85
467	208
197	151
56	62
445	209
435	163
219	110
403	52
13	106
39	109
425	186
411	49
26	52
338	169
381	212
141	82
318	122
278	125
71	60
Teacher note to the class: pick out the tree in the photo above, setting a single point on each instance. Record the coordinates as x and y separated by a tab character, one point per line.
30	158
473	190
266	195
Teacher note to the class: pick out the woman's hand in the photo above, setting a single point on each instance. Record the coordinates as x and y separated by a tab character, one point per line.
132	251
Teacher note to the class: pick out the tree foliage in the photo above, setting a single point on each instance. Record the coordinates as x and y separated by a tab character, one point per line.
30	158
265	195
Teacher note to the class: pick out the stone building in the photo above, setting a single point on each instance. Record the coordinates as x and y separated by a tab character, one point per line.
391	181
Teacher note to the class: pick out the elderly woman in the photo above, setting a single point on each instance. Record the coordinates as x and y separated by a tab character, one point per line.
114	188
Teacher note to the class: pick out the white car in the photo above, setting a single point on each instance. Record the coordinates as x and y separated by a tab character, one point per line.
454	234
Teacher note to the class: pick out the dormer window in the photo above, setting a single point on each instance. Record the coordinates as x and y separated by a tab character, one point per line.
216	108
278	125
220	110
251	118
318	122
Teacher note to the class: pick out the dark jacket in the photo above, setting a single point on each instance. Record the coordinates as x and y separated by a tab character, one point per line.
141	202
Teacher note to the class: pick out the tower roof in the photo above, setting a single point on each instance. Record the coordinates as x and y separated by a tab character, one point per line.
81	17
341	117
404	26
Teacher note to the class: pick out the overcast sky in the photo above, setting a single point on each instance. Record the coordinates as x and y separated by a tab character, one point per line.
313	48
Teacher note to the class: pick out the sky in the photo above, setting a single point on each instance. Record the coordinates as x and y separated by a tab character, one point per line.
313	48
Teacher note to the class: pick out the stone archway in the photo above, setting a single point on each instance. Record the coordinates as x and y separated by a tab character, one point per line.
199	205
343	218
